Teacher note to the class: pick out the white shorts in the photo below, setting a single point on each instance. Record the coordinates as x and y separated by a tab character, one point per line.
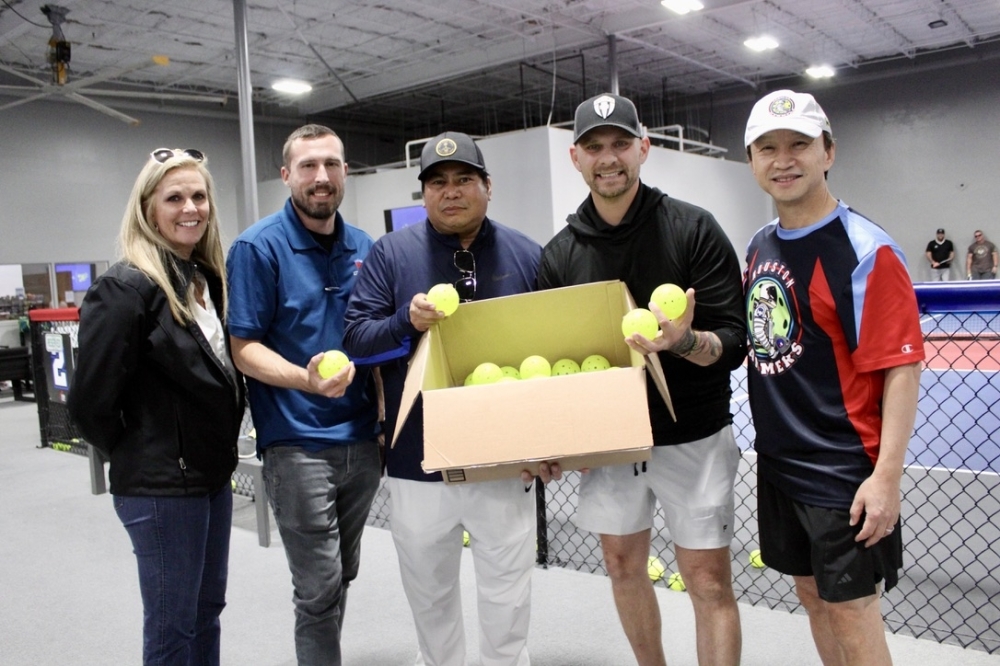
693	483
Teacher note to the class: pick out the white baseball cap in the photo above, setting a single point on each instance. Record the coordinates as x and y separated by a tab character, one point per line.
785	109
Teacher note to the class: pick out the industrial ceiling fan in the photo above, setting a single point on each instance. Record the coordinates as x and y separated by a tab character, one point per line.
59	59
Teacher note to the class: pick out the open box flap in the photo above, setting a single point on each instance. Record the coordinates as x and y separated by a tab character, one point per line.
653	365
412	384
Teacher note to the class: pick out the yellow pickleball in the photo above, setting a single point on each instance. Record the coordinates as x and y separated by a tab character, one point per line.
510	371
671	300
444	297
534	367
594	363
332	363
640	321
656	568
486	373
565	366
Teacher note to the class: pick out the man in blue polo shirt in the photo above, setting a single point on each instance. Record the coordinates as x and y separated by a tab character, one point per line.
290	276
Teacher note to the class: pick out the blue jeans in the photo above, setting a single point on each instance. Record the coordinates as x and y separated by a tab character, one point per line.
182	548
321	502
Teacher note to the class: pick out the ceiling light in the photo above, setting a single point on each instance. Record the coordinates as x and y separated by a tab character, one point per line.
934	25
291	86
762	43
682	6
820	71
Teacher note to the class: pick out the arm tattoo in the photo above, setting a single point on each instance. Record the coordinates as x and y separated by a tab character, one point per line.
686	345
695	342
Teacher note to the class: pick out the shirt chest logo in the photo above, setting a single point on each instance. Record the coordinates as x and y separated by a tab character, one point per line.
771	323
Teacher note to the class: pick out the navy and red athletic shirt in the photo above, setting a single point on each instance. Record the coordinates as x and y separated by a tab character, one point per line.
829	308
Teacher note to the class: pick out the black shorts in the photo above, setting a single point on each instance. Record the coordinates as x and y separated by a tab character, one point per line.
801	540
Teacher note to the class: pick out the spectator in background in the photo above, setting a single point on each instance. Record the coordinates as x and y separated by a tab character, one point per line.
940	253
156	391
981	262
290	275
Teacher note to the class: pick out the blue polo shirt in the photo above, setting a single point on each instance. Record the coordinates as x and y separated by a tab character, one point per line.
289	293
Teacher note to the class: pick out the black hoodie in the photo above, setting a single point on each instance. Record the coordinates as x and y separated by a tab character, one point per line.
663	240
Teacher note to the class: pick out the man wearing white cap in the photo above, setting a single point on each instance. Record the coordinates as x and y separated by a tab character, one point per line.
833	378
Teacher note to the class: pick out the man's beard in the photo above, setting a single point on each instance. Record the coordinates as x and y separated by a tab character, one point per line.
607	191
322	210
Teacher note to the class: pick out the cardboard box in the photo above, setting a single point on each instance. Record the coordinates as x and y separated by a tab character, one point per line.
478	433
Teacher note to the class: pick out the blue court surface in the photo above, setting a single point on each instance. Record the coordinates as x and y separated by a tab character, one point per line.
957	425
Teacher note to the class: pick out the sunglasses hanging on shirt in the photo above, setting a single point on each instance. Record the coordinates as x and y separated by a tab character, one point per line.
465	285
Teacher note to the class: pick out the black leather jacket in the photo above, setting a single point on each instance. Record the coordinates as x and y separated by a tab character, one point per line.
150	393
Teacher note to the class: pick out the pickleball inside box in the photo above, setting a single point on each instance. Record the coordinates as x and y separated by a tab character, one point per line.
493	431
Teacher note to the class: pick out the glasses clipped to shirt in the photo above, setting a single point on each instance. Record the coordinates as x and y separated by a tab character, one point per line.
465	285
161	155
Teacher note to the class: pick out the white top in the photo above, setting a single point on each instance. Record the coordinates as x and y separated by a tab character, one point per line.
211	326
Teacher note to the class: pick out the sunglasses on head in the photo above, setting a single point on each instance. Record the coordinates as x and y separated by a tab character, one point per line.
161	155
465	285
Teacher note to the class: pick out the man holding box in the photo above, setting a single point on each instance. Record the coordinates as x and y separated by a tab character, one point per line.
386	315
628	231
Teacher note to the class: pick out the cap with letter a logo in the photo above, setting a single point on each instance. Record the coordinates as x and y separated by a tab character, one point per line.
606	110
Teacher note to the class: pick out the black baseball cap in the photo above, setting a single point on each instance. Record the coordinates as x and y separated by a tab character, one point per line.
940	231
451	147
606	110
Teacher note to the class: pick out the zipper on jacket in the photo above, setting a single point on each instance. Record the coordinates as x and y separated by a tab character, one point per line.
182	464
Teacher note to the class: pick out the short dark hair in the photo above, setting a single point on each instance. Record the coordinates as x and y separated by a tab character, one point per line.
311	131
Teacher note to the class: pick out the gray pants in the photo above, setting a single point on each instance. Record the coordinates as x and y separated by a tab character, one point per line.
321	502
940	274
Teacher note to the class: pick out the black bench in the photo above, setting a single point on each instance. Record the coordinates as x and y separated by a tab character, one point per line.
15	367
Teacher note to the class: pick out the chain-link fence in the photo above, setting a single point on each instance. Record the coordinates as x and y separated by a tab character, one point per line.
950	587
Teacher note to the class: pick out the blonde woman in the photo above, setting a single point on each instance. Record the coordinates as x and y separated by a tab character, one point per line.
156	391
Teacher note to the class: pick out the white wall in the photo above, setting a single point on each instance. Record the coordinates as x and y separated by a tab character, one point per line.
523	180
68	171
724	188
10	279
271	196
520	171
369	195
535	186
915	152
